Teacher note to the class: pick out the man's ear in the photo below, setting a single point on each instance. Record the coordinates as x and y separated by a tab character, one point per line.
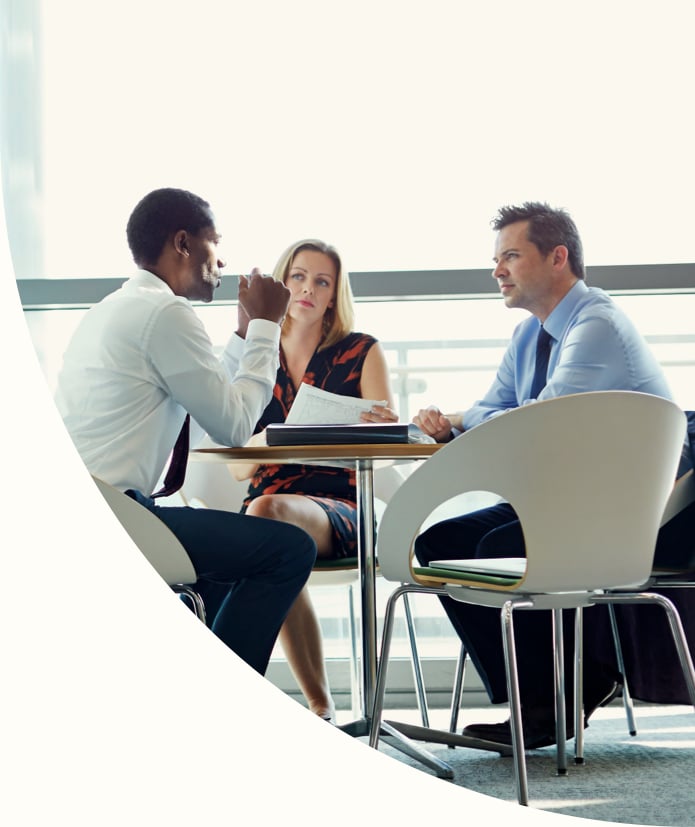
560	256
181	242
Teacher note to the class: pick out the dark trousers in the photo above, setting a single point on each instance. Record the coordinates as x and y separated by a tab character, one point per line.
495	532
250	570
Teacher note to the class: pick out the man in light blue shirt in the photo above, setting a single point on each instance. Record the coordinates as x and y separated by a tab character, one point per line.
593	346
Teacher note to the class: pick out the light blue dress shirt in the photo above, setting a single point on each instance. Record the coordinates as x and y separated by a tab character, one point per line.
595	347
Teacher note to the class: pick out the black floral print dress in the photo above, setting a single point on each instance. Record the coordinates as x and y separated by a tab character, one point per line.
337	369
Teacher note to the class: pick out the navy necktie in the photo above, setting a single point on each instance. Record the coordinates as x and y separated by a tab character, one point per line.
542	355
176	472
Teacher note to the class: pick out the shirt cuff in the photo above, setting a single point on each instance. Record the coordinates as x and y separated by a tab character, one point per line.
257	329
262	329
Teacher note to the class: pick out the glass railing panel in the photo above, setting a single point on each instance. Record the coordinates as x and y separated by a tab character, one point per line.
440	352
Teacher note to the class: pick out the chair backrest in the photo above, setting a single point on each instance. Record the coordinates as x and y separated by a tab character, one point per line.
683	495
157	543
588	474
212	485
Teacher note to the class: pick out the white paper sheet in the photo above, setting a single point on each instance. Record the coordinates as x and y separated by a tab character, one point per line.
314	406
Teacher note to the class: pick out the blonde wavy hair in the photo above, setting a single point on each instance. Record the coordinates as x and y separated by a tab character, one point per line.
338	320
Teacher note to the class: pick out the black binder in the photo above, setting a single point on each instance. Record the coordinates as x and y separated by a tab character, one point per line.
361	433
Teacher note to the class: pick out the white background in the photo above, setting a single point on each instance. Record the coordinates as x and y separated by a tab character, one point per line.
395	129
392	128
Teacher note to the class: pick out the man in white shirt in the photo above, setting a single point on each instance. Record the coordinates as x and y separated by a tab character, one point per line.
139	362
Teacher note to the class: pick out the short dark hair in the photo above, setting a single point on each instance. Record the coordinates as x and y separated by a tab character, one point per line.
159	215
548	227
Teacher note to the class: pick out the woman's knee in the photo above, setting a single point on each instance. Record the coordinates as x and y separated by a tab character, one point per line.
272	507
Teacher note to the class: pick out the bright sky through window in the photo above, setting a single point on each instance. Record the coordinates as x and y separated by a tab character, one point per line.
391	128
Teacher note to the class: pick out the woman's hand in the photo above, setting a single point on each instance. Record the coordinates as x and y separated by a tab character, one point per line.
379	413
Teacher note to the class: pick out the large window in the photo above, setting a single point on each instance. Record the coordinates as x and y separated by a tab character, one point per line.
390	128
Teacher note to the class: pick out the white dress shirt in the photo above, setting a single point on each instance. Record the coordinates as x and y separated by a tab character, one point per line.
138	361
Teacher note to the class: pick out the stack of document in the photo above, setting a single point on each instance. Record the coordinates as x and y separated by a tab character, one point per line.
318	417
314	406
361	433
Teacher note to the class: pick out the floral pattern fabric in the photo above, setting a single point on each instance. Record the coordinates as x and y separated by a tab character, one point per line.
337	369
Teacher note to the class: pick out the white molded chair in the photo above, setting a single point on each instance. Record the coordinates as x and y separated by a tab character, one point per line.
158	544
589	476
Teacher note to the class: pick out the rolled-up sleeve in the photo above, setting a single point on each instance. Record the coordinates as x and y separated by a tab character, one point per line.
225	397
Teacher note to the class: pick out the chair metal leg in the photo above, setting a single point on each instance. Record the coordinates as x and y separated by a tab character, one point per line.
194	598
457	692
681	642
677	631
515	699
379	689
627	698
560	705
420	693
579	685
377	726
355	683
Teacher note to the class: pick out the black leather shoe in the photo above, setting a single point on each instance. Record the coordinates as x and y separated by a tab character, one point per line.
539	725
538	732
600	697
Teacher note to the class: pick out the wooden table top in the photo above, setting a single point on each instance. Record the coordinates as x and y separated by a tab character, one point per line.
308	453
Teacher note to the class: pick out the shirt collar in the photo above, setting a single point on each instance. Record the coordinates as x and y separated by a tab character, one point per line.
558	319
144	278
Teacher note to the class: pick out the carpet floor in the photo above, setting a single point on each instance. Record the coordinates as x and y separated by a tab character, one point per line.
646	779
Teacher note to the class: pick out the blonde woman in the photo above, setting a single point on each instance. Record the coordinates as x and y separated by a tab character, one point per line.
317	346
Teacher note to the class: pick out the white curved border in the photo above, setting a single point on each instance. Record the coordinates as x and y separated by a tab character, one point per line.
123	708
